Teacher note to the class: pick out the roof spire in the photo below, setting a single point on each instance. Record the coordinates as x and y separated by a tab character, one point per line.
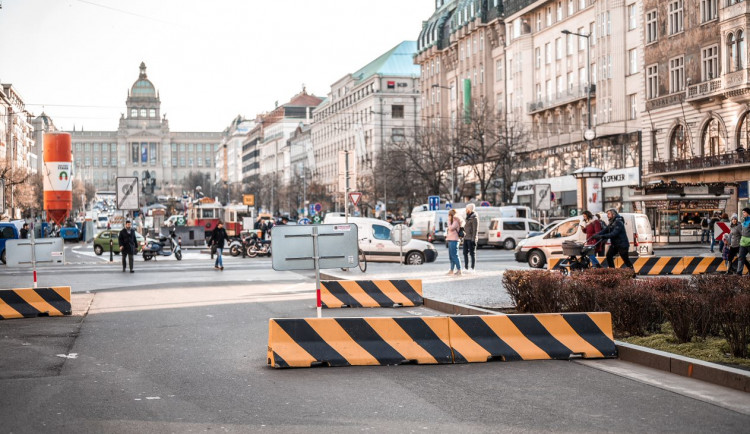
143	71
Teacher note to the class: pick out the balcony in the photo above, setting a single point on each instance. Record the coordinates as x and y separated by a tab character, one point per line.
716	162
704	90
732	11
565	97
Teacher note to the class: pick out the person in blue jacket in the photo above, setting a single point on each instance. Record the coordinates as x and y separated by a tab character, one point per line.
618	237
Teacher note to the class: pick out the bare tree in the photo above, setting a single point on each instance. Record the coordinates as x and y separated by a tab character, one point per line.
428	157
14	177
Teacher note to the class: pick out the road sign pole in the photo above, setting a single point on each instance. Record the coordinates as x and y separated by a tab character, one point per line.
316	259
33	255
346	193
401	244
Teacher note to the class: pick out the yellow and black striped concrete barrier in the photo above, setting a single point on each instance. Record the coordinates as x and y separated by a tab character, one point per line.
438	340
664	265
33	302
371	293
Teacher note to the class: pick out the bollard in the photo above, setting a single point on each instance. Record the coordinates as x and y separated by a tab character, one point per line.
111	258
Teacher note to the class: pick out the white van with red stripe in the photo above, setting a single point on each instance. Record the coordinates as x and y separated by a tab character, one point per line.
536	250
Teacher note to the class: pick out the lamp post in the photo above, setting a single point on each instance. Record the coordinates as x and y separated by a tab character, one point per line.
589	134
455	126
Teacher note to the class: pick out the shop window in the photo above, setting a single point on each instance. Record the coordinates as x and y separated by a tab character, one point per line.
712	139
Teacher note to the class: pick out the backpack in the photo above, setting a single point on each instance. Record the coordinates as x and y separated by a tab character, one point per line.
704	223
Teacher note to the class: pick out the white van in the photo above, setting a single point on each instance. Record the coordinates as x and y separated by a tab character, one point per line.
507	232
429	225
375	242
485	214
536	250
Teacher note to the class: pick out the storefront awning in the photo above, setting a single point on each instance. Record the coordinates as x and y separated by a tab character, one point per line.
651	197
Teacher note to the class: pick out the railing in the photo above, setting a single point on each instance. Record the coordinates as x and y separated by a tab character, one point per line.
702	162
736	78
733	9
560	98
705	89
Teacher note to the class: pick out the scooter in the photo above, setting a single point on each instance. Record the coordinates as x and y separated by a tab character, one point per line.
256	246
157	248
237	246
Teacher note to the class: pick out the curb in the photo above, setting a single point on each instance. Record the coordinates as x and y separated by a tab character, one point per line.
713	373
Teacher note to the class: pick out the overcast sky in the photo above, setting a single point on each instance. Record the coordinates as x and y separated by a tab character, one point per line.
209	60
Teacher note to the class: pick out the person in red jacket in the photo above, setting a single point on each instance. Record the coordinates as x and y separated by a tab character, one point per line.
592	227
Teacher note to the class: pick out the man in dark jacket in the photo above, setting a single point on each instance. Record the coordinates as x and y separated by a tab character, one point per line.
25	231
471	230
218	237
617	235
128	244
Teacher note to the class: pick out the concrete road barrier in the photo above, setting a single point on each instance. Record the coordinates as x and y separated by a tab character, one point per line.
664	265
34	302
358	341
438	340
371	293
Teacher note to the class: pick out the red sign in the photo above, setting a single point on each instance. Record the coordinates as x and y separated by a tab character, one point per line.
355	196
720	229
391	85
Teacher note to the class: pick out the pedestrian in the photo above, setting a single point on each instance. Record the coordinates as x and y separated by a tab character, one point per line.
712	229
601	246
618	237
25	231
735	235
451	236
471	236
128	245
744	242
218	237
593	227
705	234
725	220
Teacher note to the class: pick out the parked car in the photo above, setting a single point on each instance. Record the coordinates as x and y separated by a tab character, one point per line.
375	241
507	232
8	231
101	241
536	250
485	214
429	225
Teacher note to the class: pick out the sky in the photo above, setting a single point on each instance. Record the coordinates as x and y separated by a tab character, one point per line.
209	60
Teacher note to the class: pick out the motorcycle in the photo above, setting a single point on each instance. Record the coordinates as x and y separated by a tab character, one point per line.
256	246
236	246
152	249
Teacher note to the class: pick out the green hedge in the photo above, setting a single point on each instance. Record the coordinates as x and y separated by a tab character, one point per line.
704	305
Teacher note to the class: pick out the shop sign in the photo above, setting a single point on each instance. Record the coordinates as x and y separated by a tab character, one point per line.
695	189
620	177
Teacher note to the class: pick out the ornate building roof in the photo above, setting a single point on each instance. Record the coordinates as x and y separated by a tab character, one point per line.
143	86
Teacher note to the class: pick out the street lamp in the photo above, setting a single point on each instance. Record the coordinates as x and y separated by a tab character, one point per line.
589	134
455	126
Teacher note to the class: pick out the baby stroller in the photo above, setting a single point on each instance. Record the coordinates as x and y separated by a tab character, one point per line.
577	256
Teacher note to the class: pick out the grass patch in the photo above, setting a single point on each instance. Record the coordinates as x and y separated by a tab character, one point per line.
711	349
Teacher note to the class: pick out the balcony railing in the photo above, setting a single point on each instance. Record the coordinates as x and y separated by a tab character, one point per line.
733	9
560	98
700	163
705	89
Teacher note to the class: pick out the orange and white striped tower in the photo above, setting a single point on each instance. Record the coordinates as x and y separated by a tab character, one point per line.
58	176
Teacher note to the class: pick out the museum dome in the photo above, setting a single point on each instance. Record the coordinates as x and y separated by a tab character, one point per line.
143	86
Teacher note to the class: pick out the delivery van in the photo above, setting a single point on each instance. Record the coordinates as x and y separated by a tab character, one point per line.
429	225
485	214
507	232
536	250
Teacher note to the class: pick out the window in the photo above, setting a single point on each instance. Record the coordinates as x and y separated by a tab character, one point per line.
710	63
676	74
592	34
105	161
712	139
481	47
608	23
633	61
481	74
380	232
397	111
708	10
559	11
538	21
538	57
633	100
143	113
208	161
558	48
651	34
190	162
152	113
565	229
678	148
498	73
581	5
743	133
96	161
182	147
199	147
397	135
675	17
581	41
88	147
549	16
570	81
547	53
632	16
560	86
652	81
735	51
538	92
570	44
548	88
182	161
570	7
514	226
133	113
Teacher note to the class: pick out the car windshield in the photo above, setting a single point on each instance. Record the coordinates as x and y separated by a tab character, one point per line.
565	229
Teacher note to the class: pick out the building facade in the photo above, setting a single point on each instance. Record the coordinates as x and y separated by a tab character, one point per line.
363	112
17	145
229	164
144	146
696	123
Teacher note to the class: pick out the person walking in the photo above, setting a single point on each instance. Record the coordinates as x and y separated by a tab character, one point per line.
618	237
744	242
218	237
735	235
724	219
128	245
705	233
25	231
593	227
471	230
451	236
712	229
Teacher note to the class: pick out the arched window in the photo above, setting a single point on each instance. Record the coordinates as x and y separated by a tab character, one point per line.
740	50
678	144
731	53
743	132
712	139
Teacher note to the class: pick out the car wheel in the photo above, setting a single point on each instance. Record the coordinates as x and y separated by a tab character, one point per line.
98	250
536	259
415	258
509	244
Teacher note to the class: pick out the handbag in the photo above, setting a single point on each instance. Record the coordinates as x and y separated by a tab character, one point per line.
461	232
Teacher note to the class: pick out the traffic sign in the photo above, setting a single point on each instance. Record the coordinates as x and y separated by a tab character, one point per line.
355	196
485	203
318	207
304	221
573	212
312	209
401	234
448	205
316	219
433	202
248	199
126	193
